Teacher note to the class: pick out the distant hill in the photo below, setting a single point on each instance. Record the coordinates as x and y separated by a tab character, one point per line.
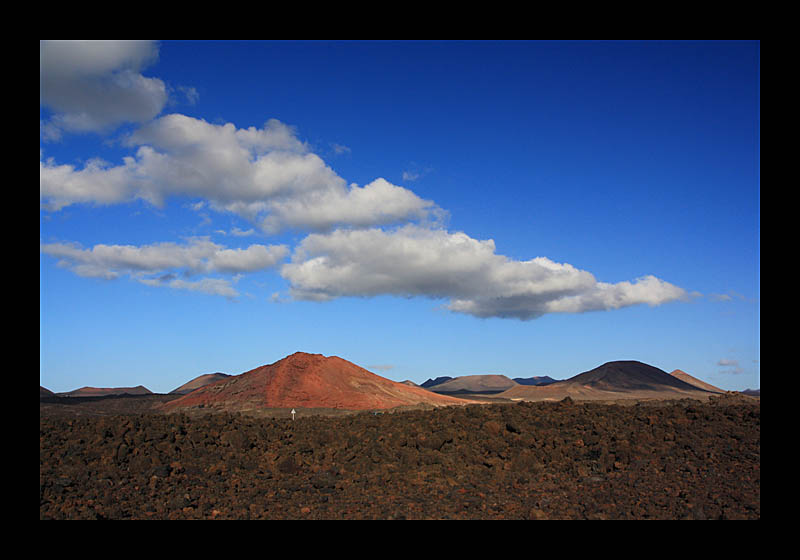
612	381
489	383
752	392
199	381
536	380
683	376
45	392
106	391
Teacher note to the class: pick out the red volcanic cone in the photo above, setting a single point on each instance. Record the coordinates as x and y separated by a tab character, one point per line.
309	381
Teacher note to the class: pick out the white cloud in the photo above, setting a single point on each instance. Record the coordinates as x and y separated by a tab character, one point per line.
159	263
731	296
255	257
270	177
377	203
732	366
211	286
97	85
339	149
265	175
191	94
417	261
97	183
414	172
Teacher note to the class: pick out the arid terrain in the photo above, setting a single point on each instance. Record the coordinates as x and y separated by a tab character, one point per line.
165	456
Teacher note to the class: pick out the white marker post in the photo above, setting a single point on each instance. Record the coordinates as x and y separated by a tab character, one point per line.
292	414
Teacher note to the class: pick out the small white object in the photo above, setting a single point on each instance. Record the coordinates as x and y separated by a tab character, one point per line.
293	414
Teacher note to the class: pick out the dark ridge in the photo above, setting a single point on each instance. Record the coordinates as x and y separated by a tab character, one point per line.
438	381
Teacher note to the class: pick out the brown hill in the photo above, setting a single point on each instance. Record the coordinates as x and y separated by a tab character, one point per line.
199	381
612	381
308	381
43	392
683	376
488	383
106	391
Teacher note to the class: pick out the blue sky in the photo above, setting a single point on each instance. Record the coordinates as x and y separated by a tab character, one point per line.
420	208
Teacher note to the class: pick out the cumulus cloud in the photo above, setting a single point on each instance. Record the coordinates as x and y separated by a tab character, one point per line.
96	183
265	175
434	263
271	178
159	263
94	86
377	203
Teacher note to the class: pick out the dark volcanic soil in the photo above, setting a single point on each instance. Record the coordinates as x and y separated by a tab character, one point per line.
565	460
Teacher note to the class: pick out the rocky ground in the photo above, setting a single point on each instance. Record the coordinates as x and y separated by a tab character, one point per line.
563	460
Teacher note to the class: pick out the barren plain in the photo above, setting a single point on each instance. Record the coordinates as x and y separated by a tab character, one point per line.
118	458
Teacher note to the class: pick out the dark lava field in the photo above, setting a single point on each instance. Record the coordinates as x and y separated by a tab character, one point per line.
528	460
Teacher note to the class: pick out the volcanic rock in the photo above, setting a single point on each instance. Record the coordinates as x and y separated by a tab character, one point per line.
671	461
